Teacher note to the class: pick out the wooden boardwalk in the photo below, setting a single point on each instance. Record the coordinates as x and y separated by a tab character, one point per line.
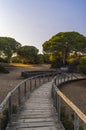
38	112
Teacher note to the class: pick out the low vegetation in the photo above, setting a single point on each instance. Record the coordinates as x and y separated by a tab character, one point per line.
5	117
82	65
3	69
68	120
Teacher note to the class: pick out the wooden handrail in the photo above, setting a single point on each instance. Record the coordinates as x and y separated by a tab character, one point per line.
57	94
4	101
12	91
72	105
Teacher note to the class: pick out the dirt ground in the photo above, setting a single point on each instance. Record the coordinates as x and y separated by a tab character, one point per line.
9	81
76	92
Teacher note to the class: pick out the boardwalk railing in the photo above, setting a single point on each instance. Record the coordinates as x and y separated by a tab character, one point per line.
57	96
17	96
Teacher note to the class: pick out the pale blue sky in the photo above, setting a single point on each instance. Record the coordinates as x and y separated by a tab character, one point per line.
32	22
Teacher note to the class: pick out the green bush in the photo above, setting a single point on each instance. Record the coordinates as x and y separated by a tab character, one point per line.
67	123
15	59
82	65
3	60
3	69
57	63
73	63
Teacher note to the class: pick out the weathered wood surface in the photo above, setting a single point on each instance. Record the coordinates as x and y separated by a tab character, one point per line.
38	112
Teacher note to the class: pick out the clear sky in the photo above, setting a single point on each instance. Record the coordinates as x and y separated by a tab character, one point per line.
32	22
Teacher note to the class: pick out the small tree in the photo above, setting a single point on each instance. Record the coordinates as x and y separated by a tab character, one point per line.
29	53
8	46
65	43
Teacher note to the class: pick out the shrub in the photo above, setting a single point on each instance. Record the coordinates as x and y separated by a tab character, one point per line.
82	65
3	60
5	117
3	69
73	63
57	63
68	120
15	59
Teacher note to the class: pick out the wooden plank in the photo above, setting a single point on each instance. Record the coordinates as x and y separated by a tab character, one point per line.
32	124
29	116
34	120
38	128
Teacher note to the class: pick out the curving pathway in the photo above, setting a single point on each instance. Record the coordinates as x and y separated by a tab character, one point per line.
38	112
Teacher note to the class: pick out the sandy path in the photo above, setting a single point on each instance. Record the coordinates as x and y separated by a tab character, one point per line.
9	81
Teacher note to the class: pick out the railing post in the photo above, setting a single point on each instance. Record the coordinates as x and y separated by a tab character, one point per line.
68	77
52	91
71	76
30	86
55	81
19	96
52	76
48	76
10	108
0	121
76	122
55	99
25	88
58	106
43	78
35	82
64	78
39	80
61	79
58	80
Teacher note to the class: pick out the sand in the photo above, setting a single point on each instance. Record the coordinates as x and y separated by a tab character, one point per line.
76	92
9	81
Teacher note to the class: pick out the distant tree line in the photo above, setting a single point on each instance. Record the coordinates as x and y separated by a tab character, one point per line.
13	51
62	49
